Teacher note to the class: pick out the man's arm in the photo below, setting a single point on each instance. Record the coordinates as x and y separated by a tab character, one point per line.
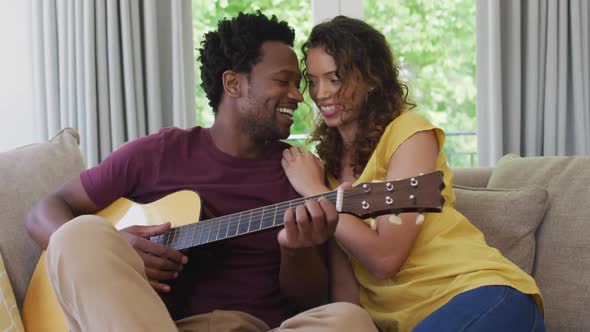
304	274
72	200
54	210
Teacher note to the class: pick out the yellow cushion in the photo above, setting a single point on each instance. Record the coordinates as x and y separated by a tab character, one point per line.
9	316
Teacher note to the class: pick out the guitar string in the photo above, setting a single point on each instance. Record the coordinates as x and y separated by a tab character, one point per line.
399	184
223	221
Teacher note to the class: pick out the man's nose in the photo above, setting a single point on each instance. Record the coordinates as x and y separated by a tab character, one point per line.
295	94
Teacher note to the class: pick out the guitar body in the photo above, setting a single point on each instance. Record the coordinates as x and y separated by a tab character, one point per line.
41	311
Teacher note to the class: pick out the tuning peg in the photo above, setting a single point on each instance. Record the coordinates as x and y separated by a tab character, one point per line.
373	224
413	182
395	219
389	186
420	219
388	200
365	205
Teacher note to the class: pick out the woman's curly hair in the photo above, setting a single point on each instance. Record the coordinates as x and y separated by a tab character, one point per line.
360	52
235	45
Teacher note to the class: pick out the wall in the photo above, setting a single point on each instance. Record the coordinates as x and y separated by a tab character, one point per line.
16	99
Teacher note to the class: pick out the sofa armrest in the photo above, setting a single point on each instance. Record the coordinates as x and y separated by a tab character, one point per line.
476	177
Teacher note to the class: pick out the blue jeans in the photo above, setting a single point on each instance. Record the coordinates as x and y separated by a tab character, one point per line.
488	308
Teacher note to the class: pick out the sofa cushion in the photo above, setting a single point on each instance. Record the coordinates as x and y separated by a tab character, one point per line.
9	316
28	173
562	262
507	218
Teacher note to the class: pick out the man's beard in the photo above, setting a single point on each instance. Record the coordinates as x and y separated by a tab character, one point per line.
262	129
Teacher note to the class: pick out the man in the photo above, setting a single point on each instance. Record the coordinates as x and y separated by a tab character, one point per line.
250	283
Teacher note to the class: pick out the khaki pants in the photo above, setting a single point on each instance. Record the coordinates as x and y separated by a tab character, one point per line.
101	284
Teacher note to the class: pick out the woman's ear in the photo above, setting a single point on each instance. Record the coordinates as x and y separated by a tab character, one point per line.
231	83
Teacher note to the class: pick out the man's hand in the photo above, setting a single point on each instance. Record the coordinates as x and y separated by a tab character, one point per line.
161	262
308	225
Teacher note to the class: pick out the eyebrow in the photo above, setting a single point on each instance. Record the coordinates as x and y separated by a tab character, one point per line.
289	72
324	74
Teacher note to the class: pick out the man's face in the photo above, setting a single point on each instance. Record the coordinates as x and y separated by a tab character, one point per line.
272	94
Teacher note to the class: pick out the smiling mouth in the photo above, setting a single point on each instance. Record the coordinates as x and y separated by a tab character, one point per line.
286	111
328	110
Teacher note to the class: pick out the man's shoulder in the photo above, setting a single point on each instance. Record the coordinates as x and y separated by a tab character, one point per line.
175	133
165	136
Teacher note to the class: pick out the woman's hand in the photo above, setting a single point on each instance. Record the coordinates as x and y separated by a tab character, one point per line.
304	170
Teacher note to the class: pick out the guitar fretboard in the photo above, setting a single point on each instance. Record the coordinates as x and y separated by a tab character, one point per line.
232	225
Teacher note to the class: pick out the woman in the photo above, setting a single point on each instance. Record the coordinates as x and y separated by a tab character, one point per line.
409	272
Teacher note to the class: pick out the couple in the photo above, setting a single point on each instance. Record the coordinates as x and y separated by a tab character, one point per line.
407	272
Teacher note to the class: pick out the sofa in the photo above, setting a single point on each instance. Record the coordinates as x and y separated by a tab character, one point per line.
531	209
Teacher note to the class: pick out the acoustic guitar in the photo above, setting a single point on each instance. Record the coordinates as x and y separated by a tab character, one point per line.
42	312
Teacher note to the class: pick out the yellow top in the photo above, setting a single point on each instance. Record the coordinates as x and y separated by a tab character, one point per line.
449	256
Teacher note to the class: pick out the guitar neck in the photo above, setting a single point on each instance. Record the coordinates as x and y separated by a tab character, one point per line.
233	225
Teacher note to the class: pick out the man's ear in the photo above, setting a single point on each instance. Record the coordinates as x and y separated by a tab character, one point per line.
231	83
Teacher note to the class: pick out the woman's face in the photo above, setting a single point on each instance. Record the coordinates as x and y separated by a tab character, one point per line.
338	108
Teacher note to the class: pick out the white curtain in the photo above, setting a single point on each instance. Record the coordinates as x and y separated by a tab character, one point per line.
115	70
533	78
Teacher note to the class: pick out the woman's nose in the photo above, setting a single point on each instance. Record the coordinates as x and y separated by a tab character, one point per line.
322	92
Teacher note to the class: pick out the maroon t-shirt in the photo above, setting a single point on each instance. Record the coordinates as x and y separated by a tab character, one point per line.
235	274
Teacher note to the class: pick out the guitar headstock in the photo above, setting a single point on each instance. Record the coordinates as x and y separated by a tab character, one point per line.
416	194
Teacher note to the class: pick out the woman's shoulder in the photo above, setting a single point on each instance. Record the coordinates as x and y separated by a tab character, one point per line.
410	119
405	125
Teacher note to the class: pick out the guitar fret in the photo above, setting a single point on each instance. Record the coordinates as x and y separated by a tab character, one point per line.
166	239
212	232
249	222
179	238
256	223
223	226
228	223
242	227
233	225
194	229
201	232
173	238
267	220
182	241
156	238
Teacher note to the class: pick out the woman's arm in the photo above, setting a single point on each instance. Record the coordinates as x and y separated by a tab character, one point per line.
383	251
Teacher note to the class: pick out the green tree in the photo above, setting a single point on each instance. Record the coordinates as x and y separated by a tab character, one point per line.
434	45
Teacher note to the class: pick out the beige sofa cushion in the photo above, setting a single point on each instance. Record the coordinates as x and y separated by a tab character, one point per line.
27	174
507	218
562	262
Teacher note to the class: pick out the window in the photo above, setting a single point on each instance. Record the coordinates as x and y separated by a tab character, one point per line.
433	42
434	45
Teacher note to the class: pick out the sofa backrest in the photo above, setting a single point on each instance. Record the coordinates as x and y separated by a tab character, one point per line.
26	175
562	260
